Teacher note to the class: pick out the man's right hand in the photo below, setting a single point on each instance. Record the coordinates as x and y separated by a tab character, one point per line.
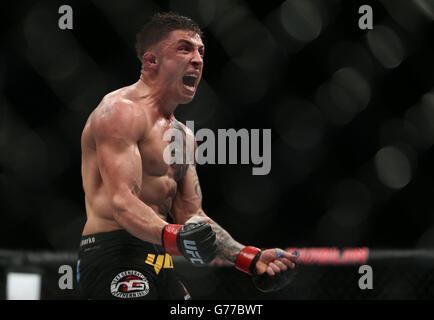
195	241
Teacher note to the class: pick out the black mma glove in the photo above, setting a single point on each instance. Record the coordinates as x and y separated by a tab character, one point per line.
194	241
246	262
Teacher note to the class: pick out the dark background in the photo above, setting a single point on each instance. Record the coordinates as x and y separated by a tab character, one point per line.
351	113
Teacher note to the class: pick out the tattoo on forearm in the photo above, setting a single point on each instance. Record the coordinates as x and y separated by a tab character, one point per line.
227	247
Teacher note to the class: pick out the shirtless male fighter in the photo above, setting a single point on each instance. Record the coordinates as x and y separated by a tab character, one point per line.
130	191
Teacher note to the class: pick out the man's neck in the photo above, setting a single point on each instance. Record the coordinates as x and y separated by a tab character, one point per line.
155	98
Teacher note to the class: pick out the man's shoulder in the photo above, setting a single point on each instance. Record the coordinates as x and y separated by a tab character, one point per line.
118	112
115	101
117	104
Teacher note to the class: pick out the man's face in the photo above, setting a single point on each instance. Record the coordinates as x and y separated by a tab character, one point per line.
180	65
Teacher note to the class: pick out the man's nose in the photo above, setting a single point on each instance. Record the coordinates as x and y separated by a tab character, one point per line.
197	60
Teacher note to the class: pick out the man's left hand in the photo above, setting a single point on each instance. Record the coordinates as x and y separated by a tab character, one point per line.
276	260
274	270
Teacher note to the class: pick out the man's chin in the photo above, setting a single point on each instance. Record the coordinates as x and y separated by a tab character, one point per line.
186	99
187	96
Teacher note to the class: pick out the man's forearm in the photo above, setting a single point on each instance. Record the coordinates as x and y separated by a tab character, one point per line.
138	219
227	247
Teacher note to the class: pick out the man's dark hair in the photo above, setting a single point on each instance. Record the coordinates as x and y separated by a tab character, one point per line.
160	25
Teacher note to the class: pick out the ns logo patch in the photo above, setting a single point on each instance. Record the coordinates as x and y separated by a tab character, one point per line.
129	284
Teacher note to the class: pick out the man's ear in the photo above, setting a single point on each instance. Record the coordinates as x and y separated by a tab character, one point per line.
149	60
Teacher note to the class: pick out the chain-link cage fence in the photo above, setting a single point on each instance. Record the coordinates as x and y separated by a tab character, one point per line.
322	273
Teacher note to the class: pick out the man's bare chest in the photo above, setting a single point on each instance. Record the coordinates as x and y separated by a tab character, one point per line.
159	149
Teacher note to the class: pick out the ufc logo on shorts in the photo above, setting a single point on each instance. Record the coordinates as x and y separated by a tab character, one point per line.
190	245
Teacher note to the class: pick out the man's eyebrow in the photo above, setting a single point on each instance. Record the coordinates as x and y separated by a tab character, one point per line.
191	44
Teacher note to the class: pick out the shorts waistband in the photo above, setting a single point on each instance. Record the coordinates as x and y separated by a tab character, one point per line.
117	237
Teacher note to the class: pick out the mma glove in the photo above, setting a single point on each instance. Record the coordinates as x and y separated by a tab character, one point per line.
195	241
246	262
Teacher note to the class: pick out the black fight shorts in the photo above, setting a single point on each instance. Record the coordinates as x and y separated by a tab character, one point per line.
117	265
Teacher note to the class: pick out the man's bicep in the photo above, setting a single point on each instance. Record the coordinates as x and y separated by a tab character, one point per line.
116	130
120	164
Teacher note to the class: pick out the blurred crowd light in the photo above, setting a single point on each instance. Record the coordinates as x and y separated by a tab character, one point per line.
386	46
301	20
393	167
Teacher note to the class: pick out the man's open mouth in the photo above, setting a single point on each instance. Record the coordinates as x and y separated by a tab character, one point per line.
190	81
